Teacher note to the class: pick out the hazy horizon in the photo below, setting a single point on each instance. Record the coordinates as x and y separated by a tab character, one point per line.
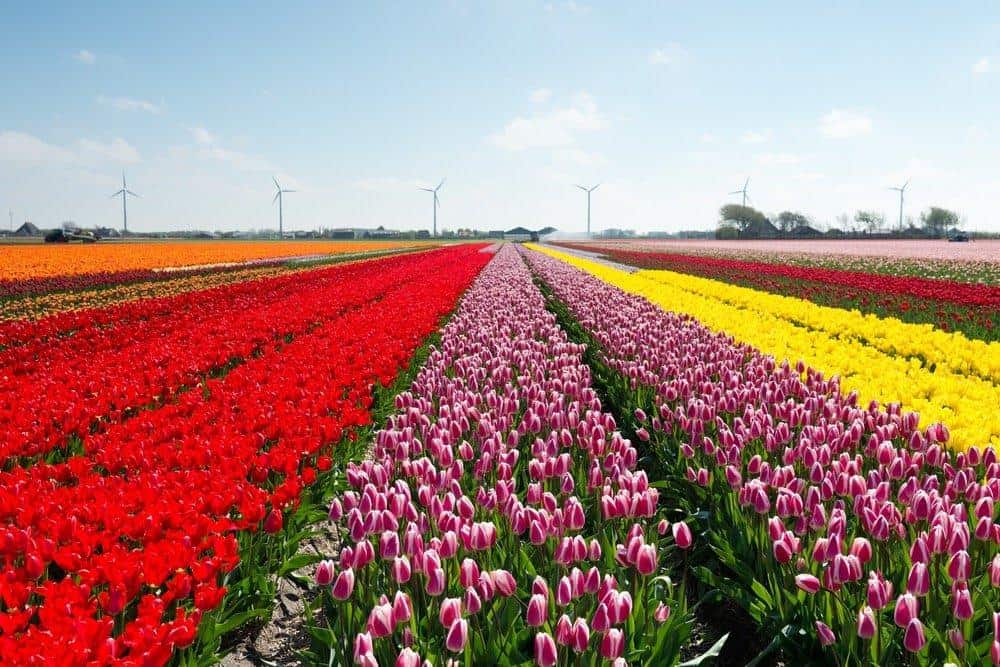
357	107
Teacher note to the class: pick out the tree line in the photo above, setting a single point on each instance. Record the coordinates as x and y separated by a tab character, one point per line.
737	220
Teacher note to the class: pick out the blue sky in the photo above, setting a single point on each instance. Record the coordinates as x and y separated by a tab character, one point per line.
668	105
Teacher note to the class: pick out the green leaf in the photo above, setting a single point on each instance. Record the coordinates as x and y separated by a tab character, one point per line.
298	561
237	620
714	652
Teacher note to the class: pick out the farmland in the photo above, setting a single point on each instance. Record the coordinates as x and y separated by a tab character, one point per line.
577	453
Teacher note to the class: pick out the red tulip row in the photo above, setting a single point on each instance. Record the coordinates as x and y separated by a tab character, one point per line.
968	294
130	355
115	554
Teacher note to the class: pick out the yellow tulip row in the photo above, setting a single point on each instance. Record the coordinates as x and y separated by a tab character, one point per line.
936	374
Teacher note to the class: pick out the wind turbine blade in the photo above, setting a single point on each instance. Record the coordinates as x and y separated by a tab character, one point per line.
131	193
439	185
905	184
582	188
275	179
746	183
276	197
736	192
595	187
289	190
117	193
425	189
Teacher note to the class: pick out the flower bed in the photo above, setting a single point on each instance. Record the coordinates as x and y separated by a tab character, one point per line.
118	553
501	518
841	521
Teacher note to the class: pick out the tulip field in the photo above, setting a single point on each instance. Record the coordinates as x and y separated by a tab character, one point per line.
571	454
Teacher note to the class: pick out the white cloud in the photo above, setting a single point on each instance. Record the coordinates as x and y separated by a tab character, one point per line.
570	6
541	96
842	124
129	104
389	184
809	176
239	160
579	157
84	56
551	129
708	138
777	159
202	136
670	54
25	148
117	150
756	137
983	66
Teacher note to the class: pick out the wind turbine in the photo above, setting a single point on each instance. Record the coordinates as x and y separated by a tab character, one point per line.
588	191
743	191
437	202
901	191
125	193
10	212
281	214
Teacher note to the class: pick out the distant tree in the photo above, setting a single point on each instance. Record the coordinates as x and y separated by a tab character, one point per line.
870	220
937	221
845	223
789	220
741	216
727	230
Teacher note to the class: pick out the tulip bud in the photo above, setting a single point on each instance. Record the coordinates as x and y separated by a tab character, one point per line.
581	635
682	534
408	658
826	636
612	644
807	583
402	608
324	573
273	522
962	603
344	585
646	560
545	650
919	581
866	623
362	645
458	636
451	611
380	621
907	609
913	639
538	611
473	603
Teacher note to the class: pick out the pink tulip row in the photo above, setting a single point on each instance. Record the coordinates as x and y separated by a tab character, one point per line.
500	516
844	520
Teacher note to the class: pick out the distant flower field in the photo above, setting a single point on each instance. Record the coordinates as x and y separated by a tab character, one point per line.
975	261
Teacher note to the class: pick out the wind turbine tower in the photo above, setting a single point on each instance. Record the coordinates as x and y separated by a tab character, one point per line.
901	191
125	193
436	203
281	214
588	191
744	191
